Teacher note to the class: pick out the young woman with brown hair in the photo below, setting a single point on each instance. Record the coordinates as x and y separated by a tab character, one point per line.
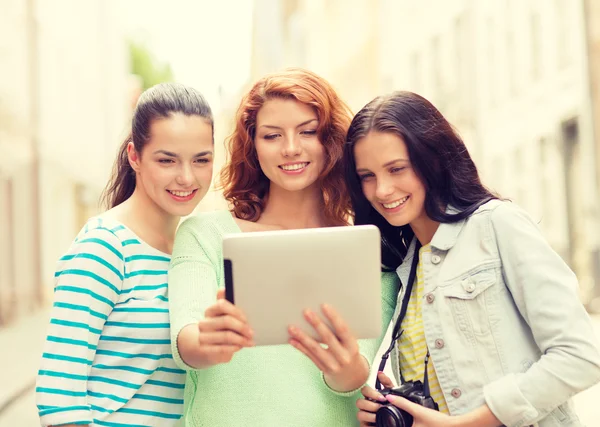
284	173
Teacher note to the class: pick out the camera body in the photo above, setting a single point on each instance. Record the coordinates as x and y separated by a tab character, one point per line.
390	416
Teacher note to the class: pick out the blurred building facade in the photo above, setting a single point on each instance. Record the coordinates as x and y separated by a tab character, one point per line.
513	76
63	111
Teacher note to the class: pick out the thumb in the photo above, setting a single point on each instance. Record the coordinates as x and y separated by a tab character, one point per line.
385	380
221	294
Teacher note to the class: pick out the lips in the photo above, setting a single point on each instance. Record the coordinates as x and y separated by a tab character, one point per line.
182	196
181	193
290	167
395	204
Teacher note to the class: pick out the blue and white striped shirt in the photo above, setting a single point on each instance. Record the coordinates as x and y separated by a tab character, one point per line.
107	359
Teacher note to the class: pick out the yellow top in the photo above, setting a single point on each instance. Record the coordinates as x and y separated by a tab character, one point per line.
412	347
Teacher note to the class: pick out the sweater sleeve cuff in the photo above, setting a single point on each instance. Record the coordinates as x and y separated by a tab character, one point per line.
345	393
175	350
507	403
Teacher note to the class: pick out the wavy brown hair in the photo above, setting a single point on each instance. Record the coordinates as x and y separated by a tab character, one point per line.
244	184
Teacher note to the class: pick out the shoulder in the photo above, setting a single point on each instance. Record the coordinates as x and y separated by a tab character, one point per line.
204	230
206	220
101	235
499	212
506	220
504	213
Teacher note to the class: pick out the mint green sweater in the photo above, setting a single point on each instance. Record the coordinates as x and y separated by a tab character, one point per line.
265	386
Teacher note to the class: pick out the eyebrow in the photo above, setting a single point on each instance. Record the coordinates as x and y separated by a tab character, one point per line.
170	154
300	125
390	163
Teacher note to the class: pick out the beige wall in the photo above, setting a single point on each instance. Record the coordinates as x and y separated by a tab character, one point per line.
510	75
63	112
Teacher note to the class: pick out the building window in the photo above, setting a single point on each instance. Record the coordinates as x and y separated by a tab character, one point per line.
545	176
536	46
416	72
510	50
491	52
436	67
7	261
459	56
563	32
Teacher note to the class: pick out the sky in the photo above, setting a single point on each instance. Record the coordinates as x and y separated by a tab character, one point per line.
207	42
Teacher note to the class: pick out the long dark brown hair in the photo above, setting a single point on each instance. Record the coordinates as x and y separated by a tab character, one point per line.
244	184
438	156
159	101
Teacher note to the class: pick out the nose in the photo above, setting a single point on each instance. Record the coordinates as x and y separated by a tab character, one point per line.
292	146
185	176
384	189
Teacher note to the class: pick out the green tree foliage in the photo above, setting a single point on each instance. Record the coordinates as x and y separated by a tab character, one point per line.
145	65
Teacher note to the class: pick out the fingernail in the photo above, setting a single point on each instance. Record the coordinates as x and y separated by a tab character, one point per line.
325	307
390	398
293	330
381	398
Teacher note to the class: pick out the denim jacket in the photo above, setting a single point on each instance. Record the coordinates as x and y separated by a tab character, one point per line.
503	320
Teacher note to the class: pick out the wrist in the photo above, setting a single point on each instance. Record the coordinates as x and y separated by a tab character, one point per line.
353	377
480	417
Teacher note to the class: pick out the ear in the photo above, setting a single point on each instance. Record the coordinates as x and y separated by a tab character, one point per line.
133	157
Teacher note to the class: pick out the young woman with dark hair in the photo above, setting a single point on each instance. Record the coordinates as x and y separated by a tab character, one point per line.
490	311
107	359
285	172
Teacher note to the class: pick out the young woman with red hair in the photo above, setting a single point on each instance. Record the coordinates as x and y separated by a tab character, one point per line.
284	172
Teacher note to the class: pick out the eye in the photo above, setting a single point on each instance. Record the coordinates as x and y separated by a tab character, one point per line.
398	169
271	136
308	132
364	177
165	161
202	160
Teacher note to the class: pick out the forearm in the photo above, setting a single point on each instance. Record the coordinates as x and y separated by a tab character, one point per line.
480	417
349	379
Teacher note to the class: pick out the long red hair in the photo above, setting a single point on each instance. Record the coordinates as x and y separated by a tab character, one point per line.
244	184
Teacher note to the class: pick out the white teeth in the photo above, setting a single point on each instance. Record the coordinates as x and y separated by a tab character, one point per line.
294	167
395	204
181	193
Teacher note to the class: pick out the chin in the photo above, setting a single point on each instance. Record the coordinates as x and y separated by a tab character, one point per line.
297	186
396	221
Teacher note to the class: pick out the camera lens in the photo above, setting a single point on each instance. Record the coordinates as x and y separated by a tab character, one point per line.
390	416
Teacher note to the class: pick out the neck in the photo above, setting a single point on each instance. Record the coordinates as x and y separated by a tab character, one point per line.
424	229
152	224
294	209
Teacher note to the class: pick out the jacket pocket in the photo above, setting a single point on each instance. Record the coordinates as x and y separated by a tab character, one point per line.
470	298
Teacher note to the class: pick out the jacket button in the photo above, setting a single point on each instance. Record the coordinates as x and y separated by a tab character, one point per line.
470	287
436	259
439	343
430	298
456	393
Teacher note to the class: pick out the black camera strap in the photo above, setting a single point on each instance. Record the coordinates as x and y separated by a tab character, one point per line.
397	332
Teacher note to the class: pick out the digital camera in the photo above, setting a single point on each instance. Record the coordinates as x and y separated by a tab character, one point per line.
390	416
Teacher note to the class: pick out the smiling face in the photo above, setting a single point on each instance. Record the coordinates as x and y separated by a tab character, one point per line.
388	179
287	145
174	169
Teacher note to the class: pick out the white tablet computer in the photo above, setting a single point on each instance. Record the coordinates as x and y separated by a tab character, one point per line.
274	275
